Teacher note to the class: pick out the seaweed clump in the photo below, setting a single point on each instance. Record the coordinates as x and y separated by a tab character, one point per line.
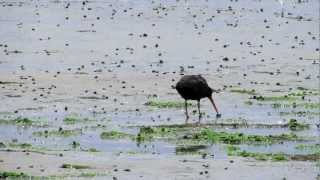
294	125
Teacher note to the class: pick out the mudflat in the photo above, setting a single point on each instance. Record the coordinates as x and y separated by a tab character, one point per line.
87	89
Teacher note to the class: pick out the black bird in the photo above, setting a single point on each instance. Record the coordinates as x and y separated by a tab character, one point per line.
195	87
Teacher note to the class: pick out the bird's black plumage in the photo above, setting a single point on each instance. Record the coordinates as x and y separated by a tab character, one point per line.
195	87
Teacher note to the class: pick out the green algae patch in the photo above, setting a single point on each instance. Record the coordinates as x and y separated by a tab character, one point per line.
114	135
150	133
88	174
256	156
279	157
91	174
189	149
306	157
70	120
236	151
299	113
73	120
313	148
231	149
204	135
93	150
294	125
9	82
296	105
167	104
145	133
244	91
230	123
249	103
291	96
13	175
20	145
2	145
60	133
276	98
75	144
75	166
304	92
20	122
23	121
24	147
240	138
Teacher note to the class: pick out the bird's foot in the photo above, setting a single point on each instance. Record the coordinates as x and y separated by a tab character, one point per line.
197	123
187	118
218	115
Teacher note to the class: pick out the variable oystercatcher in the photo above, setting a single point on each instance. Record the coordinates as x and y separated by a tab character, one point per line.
195	87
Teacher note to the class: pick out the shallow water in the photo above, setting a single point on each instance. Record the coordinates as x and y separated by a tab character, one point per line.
96	43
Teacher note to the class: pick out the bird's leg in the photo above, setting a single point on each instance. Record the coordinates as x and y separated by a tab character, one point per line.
199	110
186	108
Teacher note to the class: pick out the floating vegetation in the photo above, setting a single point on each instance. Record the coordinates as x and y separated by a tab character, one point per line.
92	150
145	133
227	123
13	175
70	120
296	105
167	104
9	82
24	147
61	133
16	145
149	133
313	148
206	135
304	93
6	113
279	157
292	96
75	166
294	125
236	151
240	138
74	120
19	121
23	121
92	97
233	150
305	157
75	144
132	152
248	103
190	149
114	135
299	113
21	145
88	174
2	145
244	91
275	98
